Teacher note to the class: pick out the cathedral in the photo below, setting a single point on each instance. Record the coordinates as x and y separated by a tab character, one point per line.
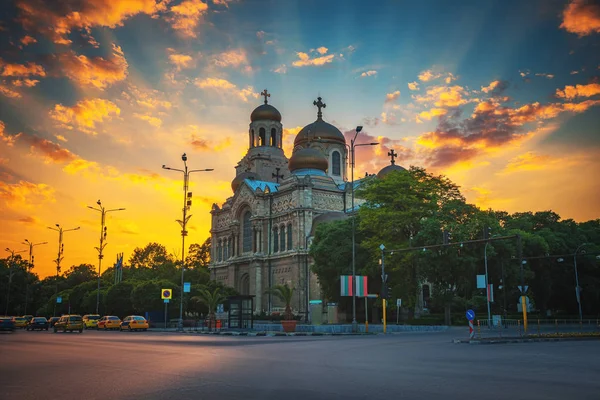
261	234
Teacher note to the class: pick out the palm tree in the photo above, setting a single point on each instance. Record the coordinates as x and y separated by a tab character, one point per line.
211	300
285	294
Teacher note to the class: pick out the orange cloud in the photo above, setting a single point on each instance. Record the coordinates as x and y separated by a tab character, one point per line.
85	114
21	70
493	85
434	112
531	162
413	85
156	122
95	71
217	83
9	140
231	58
428	75
52	152
181	61
186	16
571	92
390	97
8	92
24	194
27	40
581	17
305	60
25	82
322	50
56	19
368	73
443	96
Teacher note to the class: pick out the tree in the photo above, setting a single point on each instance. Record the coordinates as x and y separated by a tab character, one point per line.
199	255
152	256
285	294
146	296
211	300
80	274
118	299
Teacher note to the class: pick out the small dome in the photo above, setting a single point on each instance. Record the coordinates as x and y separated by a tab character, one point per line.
319	130
237	181
390	168
265	112
308	158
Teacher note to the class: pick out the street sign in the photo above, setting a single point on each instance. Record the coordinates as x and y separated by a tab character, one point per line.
58	299
166	294
220	308
382	247
166	301
187	287
470	315
398	303
523	290
480	281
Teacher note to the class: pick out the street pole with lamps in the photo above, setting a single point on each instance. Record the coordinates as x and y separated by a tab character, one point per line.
59	257
577	288
103	211
10	273
29	266
187	202
353	145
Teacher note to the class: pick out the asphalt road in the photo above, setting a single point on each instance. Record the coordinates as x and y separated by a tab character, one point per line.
150	365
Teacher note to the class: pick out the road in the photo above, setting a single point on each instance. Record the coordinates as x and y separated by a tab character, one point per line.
151	365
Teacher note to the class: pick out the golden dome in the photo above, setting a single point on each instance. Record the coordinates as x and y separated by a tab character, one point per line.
237	181
308	158
319	130
390	168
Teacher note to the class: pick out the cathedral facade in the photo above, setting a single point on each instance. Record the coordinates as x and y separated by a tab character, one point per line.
261	234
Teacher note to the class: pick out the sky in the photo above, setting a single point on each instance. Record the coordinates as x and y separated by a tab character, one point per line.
503	97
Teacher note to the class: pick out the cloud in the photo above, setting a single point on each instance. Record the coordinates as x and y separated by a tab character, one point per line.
260	34
52	152
322	50
29	219
85	114
181	61
24	194
371	159
581	17
156	122
530	161
231	58
6	91
21	70
25	82
434	112
228	87
545	75
495	88
428	75
368	73
56	19
9	140
98	72
571	92
305	60
413	85
443	96
391	97
282	69
27	40
152	99
186	17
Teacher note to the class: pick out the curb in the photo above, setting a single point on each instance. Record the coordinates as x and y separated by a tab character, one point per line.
522	340
279	334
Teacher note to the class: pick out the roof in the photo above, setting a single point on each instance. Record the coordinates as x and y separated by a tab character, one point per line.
262	185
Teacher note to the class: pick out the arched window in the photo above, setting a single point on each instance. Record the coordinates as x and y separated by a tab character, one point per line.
275	240
336	168
247	238
282	238
262	134
289	236
273	137
219	249
252	138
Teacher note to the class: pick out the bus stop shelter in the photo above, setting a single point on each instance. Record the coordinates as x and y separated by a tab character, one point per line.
241	312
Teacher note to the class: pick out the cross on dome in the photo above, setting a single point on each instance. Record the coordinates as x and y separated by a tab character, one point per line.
265	94
392	155
319	105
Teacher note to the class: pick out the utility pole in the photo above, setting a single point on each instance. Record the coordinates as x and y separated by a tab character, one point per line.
383	285
103	211
59	257
523	298
187	202
577	288
29	268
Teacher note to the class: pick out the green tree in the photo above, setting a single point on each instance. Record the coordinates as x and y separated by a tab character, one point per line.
198	255
152	256
119	299
80	274
285	294
211	299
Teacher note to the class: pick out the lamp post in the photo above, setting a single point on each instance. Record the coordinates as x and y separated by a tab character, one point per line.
103	211
10	273
353	145
59	257
29	266
187	202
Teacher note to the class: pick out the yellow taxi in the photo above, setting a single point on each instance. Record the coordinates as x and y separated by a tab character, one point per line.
20	322
90	321
134	323
109	322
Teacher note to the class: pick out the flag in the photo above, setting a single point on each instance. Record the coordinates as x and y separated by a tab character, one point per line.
346	285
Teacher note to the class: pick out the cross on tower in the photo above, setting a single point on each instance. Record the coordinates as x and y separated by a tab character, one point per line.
276	175
265	94
319	105
392	155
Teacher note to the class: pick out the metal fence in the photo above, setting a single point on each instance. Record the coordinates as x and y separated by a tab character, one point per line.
515	327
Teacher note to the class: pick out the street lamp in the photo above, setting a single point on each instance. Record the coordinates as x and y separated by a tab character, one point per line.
353	145
187	202
59	257
103	211
29	266
10	274
487	285
577	288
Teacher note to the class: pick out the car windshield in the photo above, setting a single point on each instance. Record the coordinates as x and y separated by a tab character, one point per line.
94	317
20	319
40	319
75	319
139	318
113	318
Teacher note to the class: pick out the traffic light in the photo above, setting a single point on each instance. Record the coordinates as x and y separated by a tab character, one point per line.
487	232
386	291
447	237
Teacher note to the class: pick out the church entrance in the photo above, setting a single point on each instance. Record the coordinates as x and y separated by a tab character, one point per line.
245	285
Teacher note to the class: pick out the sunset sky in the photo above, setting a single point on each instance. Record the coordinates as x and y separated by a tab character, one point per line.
96	95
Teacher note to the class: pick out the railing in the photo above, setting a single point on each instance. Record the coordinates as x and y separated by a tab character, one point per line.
514	327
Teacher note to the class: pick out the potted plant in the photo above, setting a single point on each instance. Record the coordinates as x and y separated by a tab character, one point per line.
285	294
210	300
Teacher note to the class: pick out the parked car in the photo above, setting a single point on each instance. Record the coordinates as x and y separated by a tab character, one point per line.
69	323
90	321
109	322
134	323
40	323
52	321
7	324
19	322
28	319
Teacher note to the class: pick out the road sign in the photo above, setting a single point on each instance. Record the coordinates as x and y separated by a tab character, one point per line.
58	299
220	308
166	301
470	315
166	294
471	329
480	281
382	247
187	286
523	290
398	303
